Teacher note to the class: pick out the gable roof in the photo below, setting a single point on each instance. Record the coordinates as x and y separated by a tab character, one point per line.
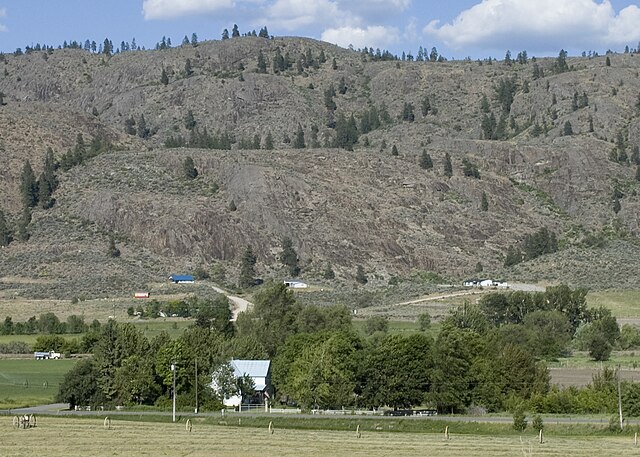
254	369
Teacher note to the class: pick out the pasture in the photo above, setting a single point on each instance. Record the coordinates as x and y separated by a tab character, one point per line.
57	436
27	382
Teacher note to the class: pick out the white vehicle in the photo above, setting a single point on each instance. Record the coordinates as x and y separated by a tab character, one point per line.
47	355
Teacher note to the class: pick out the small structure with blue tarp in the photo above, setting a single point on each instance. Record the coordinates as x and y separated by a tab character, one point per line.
181	279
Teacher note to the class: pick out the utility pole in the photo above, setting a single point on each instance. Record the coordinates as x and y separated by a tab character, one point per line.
196	385
173	369
619	398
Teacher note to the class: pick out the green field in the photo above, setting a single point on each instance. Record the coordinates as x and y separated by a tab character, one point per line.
622	303
27	382
57	436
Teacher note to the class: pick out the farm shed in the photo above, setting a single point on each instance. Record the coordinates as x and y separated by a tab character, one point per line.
181	279
295	284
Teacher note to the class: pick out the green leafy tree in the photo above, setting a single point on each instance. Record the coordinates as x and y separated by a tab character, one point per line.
289	257
247	268
396	372
135	381
519	420
80	385
376	324
424	322
189	169
274	317
323	376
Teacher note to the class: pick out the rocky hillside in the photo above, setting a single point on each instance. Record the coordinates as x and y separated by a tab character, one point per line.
564	139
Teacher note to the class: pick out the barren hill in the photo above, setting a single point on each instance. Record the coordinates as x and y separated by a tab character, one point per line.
340	207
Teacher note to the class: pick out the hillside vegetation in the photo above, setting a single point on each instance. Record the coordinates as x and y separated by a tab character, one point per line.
328	147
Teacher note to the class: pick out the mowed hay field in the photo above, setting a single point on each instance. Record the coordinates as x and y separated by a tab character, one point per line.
57	436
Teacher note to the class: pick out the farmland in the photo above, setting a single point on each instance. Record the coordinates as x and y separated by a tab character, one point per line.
30	382
56	436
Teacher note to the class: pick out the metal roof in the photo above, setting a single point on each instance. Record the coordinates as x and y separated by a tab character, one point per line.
253	368
181	277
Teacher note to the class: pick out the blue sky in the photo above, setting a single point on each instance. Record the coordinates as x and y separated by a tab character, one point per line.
461	28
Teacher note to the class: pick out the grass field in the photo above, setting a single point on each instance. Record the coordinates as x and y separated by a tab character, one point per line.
27	382
622	303
56	436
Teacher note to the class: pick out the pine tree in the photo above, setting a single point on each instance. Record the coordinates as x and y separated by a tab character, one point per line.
328	272
361	277
194	40
28	186
484	203
448	167
394	150
189	121
268	142
5	231
567	130
189	168
247	268
607	62
235	32
143	131
262	63
164	78
188	69
342	86
425	160
23	224
299	143
225	34
112	249
289	257
616	205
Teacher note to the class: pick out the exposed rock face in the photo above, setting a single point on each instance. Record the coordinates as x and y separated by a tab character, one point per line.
340	207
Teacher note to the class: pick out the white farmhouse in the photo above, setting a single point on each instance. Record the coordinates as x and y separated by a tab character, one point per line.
260	372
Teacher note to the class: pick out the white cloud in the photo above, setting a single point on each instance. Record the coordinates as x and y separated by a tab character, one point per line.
376	36
294	14
168	9
3	13
540	25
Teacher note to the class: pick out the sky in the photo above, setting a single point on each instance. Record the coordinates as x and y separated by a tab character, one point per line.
458	28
